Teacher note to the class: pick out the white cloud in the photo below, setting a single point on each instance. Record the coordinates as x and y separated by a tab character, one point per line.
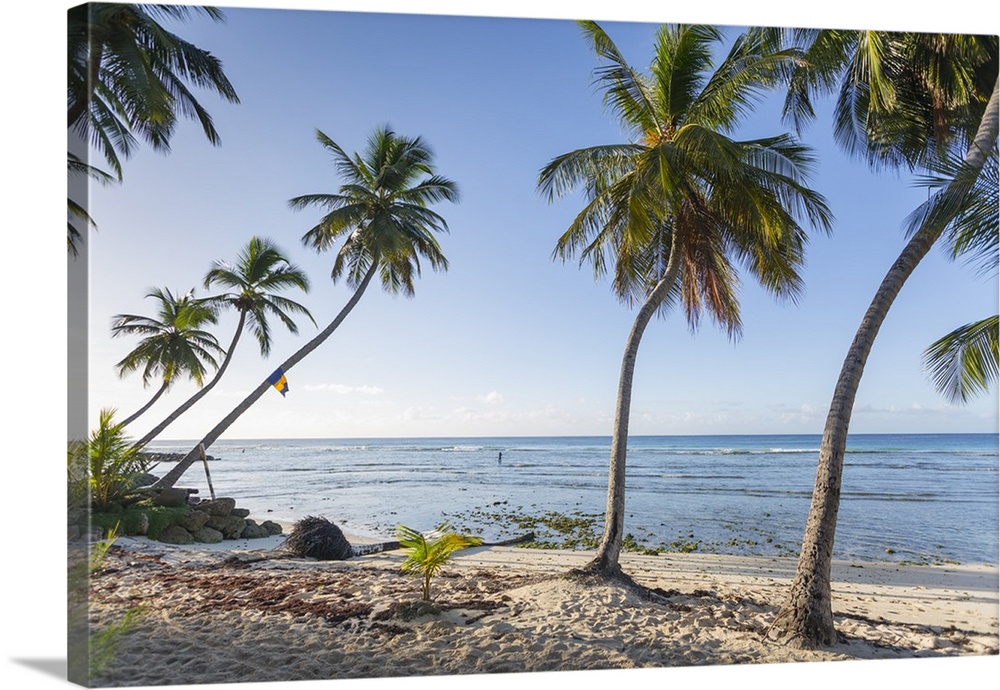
341	389
491	398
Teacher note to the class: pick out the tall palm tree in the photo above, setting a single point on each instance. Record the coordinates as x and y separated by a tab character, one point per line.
130	77
673	211
903	99
260	271
173	343
382	219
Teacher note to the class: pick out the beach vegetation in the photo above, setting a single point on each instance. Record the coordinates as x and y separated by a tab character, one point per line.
104	642
261	271
904	100
671	213
140	518
381	217
97	647
129	78
173	344
114	463
426	555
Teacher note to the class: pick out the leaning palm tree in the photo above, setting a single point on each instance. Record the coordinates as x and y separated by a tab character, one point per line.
173	343
382	219
672	212
903	99
260	271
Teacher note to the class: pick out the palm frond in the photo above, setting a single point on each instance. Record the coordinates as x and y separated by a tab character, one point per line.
963	363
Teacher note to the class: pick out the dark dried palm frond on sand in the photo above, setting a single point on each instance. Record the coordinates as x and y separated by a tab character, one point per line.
317	537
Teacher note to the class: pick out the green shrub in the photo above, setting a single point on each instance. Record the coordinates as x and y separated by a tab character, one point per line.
130	518
112	462
426	557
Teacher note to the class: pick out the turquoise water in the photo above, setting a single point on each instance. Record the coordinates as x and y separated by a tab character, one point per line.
906	497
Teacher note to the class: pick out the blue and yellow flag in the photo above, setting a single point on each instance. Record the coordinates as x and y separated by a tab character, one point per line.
277	379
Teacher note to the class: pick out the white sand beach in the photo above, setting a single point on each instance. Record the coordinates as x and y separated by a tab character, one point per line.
233	612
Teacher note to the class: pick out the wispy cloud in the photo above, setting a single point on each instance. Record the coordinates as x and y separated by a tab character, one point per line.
491	398
341	389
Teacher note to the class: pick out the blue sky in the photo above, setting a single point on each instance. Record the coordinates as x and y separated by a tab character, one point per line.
508	341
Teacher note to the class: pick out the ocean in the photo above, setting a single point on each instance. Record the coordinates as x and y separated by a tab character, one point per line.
924	498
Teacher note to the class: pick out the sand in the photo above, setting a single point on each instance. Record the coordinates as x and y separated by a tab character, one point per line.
235	613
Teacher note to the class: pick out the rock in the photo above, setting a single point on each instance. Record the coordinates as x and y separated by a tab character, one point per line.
271	527
230	526
240	512
170	497
175	534
220	507
254	531
194	520
207	535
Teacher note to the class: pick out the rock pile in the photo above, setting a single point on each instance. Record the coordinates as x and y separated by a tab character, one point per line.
211	521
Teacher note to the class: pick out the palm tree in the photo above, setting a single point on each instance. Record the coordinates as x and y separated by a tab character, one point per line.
129	77
672	211
173	343
904	99
382	217
427	554
260	271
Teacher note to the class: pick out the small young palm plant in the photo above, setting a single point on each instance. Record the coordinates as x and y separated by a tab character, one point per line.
426	556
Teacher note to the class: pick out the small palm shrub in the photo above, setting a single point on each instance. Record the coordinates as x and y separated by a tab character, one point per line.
426	556
113	462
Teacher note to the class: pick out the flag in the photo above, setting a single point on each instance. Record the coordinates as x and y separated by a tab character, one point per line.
277	379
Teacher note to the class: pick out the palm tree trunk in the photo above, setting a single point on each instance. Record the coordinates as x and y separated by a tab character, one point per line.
807	617
135	415
158	429
169	479
606	560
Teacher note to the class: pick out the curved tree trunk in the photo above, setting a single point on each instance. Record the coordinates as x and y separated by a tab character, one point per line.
135	415
158	429
606	560
169	479
807	618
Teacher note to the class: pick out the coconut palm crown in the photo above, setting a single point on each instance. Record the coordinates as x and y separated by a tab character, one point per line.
260	271
381	211
682	185
173	342
129	77
903	99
